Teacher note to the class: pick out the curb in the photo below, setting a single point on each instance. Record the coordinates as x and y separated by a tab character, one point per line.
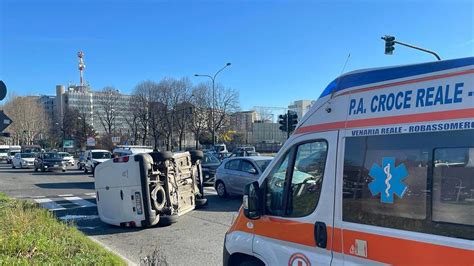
129	262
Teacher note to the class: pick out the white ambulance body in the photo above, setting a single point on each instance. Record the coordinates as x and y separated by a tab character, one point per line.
390	157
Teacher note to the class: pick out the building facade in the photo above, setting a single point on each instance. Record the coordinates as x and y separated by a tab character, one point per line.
301	107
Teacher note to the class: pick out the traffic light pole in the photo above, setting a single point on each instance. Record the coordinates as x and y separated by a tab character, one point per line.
419	48
288	124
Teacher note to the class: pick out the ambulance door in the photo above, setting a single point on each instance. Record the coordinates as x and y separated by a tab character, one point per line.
296	227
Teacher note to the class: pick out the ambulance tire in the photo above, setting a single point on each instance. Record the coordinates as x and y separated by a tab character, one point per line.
167	220
251	262
161	156
196	155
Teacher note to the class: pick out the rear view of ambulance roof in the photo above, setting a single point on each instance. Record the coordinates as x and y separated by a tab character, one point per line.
375	75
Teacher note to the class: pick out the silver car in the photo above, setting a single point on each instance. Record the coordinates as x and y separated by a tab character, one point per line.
234	173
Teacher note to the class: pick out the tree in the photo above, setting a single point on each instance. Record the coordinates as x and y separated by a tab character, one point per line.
226	103
75	126
144	94
200	112
30	123
109	108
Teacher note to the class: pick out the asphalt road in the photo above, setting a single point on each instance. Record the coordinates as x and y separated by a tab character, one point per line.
196	239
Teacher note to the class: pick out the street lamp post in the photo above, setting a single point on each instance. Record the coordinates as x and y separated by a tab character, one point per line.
213	79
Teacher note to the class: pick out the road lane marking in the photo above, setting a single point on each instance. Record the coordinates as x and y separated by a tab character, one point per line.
49	204
79	201
66	195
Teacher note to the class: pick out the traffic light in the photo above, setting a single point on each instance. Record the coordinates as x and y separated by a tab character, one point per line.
389	44
292	121
283	121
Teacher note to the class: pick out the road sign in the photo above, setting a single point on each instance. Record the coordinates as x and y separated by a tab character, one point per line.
3	90
116	139
91	141
68	144
5	121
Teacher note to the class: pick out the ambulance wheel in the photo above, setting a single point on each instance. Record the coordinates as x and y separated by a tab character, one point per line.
251	262
161	156
220	188
168	220
196	155
200	202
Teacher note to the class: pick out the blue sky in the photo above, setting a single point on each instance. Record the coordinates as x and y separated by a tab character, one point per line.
280	50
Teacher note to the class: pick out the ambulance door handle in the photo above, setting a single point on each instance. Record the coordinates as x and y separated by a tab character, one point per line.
320	234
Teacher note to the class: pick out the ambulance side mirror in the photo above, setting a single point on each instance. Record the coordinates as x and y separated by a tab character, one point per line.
251	201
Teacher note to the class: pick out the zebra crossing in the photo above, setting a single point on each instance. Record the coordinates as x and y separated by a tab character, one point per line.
66	201
85	200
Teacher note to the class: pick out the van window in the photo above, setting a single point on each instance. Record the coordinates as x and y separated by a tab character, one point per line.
417	182
294	186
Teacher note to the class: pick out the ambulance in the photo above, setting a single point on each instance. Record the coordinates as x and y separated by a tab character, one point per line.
379	171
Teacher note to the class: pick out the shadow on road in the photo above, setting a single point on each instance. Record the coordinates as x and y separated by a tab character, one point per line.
68	185
16	171
217	204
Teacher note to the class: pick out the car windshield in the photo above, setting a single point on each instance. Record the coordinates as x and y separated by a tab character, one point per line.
27	155
4	150
64	154
262	164
13	152
52	155
101	155
209	158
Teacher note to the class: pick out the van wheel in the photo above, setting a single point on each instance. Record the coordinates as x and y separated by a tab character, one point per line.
220	188
42	169
196	155
13	166
36	169
168	220
161	156
200	202
85	170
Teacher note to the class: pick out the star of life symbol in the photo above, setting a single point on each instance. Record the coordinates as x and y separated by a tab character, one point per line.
388	180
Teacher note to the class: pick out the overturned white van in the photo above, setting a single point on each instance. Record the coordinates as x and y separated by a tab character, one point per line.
143	190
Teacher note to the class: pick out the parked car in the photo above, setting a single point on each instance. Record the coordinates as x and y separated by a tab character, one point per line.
49	161
68	158
122	150
234	173
12	151
23	160
81	161
243	153
4	149
94	158
209	165
244	148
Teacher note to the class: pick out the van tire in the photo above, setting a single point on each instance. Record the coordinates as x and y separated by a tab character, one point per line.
13	166
221	190
36	169
196	155
167	220
85	170
161	156
200	202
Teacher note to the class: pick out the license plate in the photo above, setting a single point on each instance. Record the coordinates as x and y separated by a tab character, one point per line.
138	203
56	165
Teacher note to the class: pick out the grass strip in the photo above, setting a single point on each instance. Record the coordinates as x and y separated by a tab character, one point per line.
32	235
